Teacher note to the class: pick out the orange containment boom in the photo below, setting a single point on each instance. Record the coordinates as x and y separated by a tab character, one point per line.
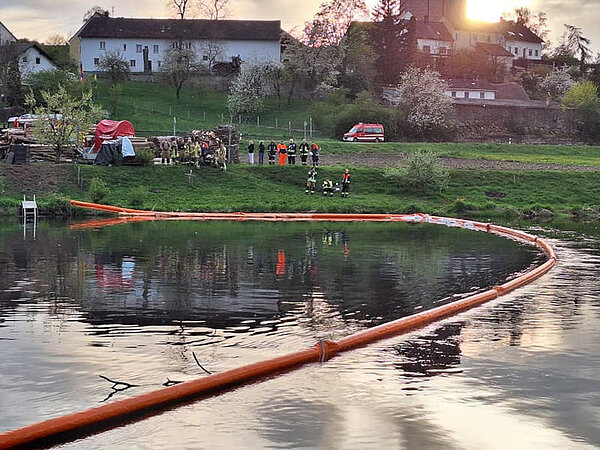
119	412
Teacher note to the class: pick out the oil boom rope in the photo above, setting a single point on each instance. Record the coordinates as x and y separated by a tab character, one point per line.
117	413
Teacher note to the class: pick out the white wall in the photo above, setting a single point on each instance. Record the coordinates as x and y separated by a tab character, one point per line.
473	94
523	46
434	45
28	62
5	36
90	50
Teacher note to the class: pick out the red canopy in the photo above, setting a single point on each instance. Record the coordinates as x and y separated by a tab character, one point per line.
108	130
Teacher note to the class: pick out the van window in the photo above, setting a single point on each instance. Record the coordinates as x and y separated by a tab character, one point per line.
370	130
353	130
379	130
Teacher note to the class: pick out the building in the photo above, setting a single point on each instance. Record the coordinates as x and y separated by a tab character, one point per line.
143	42
433	38
6	37
32	58
453	12
480	92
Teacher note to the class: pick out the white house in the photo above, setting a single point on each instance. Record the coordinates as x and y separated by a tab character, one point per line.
143	42
471	89
6	37
433	38
32	58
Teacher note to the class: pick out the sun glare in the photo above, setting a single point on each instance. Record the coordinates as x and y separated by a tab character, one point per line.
491	10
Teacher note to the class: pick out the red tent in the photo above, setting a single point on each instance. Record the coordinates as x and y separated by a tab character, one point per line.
108	130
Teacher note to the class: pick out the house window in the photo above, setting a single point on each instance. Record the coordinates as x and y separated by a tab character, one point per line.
516	50
102	45
37	60
205	58
174	44
159	64
24	59
482	95
442	50
138	48
132	63
489	38
537	53
530	52
156	49
467	94
426	49
453	93
96	61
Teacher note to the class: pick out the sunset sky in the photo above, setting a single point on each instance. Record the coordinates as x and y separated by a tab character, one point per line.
37	19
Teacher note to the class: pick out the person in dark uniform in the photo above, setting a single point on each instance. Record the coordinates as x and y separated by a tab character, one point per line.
261	152
272	152
314	153
291	152
304	151
311	180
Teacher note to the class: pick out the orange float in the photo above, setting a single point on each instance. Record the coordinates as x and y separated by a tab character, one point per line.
91	421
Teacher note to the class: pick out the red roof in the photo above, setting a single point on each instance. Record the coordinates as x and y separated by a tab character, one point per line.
493	49
434	31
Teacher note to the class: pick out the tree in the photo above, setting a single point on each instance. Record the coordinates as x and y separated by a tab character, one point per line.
56	40
391	40
422	92
179	66
582	98
115	66
49	81
181	7
94	10
212	51
62	118
573	42
249	89
557	83
215	9
10	78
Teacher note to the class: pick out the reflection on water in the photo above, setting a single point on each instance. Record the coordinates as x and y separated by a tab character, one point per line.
132	302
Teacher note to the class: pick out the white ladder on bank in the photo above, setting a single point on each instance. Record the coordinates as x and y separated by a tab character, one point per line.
29	207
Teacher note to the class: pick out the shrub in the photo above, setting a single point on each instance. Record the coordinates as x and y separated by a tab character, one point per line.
423	173
55	205
556	83
461	206
145	157
137	197
583	98
98	190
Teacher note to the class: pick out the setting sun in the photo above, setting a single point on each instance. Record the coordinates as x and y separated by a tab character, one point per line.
492	11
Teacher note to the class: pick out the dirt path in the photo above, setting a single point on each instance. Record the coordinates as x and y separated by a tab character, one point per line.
395	160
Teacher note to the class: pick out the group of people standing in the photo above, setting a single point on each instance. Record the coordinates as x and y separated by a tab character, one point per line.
192	152
284	154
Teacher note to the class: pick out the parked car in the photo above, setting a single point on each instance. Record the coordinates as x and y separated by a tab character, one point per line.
365	132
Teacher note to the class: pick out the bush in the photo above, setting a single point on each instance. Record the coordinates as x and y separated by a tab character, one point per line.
137	196
98	190
55	205
461	206
145	157
423	173
583	98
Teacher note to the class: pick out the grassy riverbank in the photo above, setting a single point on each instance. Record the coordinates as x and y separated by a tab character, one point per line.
250	189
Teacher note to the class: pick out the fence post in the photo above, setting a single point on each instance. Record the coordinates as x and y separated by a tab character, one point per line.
276	122
174	126
258	121
305	124
311	127
239	119
204	116
290	127
170	110
222	118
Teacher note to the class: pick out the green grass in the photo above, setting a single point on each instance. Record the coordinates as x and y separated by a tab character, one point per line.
278	189
151	108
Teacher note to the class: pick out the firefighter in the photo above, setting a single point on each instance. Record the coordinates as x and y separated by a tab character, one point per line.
311	180
222	157
165	150
328	188
314	153
291	152
282	150
272	152
196	153
174	152
346	183
304	151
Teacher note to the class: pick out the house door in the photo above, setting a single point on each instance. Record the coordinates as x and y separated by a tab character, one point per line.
149	66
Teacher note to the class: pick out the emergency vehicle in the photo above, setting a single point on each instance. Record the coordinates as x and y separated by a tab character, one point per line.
365	132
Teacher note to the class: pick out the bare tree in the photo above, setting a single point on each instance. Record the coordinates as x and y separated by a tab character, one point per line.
179	66
215	9
181	7
212	52
56	39
578	43
115	66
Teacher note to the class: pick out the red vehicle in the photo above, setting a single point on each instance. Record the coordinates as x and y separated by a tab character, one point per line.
365	132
